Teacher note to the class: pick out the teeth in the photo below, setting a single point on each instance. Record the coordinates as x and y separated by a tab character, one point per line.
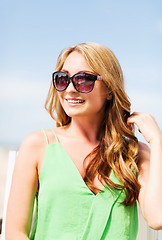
74	101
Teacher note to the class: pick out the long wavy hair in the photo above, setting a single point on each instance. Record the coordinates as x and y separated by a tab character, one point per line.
118	147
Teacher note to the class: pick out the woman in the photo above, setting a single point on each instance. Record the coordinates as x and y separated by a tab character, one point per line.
89	171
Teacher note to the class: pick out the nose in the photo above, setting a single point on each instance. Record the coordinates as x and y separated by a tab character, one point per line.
70	87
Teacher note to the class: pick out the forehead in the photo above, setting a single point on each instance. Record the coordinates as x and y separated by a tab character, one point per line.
76	62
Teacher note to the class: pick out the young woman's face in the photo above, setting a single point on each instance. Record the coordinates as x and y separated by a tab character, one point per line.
77	104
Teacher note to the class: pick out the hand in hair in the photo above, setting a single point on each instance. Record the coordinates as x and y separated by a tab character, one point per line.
147	126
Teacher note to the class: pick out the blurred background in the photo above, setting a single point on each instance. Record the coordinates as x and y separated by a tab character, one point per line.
34	32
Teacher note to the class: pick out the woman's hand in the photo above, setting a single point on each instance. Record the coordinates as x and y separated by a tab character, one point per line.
146	125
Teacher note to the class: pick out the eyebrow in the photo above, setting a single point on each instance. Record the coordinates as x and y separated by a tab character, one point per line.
63	70
80	71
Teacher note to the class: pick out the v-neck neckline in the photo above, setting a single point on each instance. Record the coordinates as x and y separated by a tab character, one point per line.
78	173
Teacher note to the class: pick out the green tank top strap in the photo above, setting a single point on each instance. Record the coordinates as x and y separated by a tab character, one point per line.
45	136
55	135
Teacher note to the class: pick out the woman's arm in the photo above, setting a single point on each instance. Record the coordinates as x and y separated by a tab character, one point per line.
23	189
150	169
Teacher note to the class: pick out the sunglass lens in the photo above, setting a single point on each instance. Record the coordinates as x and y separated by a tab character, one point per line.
60	81
84	82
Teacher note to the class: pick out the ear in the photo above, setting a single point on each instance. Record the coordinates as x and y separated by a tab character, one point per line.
109	97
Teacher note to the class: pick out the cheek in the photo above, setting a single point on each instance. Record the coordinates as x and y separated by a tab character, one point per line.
102	95
60	96
101	89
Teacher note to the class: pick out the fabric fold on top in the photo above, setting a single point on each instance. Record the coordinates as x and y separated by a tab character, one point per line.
100	211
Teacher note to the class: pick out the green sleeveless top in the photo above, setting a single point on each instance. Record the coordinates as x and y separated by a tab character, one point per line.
66	209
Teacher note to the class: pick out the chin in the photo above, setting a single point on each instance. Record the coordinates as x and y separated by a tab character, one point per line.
70	114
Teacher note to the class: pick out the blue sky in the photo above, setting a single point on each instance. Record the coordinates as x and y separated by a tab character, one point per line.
34	32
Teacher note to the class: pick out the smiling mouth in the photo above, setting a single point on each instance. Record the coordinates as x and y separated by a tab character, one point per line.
74	100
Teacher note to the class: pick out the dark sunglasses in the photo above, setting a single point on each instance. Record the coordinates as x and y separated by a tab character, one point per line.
83	82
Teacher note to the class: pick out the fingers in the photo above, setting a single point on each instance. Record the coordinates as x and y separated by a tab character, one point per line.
138	119
131	119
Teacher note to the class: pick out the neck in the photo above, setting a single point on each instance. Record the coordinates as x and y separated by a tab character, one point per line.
86	128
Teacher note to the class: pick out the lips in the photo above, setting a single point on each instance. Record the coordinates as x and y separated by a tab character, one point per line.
74	101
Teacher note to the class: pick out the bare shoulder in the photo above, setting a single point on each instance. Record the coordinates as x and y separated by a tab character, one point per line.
32	146
37	141
33	141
